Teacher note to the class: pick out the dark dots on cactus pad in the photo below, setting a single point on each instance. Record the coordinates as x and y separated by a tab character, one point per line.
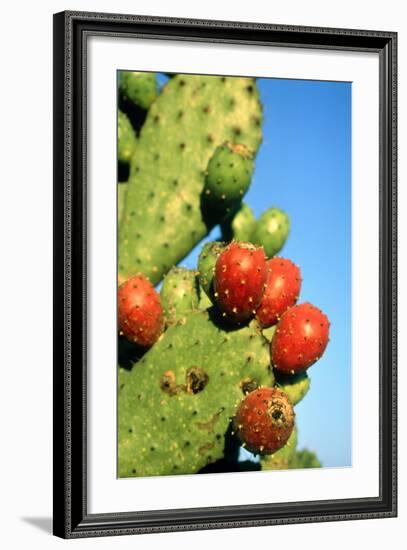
156	118
181	83
256	120
175	183
180	114
250	89
197	379
182	146
134	471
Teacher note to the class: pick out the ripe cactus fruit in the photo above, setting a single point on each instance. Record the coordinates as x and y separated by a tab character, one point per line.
264	420
140	88
300	339
175	406
271	231
179	294
140	314
282	291
126	138
240	225
206	265
164	215
228	176
240	279
295	386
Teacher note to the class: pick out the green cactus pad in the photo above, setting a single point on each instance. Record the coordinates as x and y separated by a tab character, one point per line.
179	294
206	265
165	215
295	386
139	88
240	225
176	404
126	138
271	231
229	174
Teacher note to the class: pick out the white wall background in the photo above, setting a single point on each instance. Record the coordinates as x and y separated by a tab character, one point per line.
26	268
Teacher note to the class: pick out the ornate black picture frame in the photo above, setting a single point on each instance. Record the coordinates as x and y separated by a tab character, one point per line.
71	517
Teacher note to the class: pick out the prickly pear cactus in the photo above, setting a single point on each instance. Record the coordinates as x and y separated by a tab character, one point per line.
228	176
176	404
126	138
165	214
139	88
240	225
271	231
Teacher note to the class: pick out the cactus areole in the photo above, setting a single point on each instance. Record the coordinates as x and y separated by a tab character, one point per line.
264	420
240	280
140	314
300	339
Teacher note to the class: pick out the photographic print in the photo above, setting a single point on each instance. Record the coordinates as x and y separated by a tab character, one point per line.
234	274
225	274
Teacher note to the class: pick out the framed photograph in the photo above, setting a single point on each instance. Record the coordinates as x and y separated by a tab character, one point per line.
225	274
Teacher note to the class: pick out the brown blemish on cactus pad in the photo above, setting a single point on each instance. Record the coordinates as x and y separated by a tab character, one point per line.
197	379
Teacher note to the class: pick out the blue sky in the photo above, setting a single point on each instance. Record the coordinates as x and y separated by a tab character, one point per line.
304	167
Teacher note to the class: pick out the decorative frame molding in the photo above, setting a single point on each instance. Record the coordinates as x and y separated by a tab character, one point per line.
71	30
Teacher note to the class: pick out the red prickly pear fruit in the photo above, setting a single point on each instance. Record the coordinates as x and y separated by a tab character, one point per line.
282	291
140	314
240	280
300	338
264	420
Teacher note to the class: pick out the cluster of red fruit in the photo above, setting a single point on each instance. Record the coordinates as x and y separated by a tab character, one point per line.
246	284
